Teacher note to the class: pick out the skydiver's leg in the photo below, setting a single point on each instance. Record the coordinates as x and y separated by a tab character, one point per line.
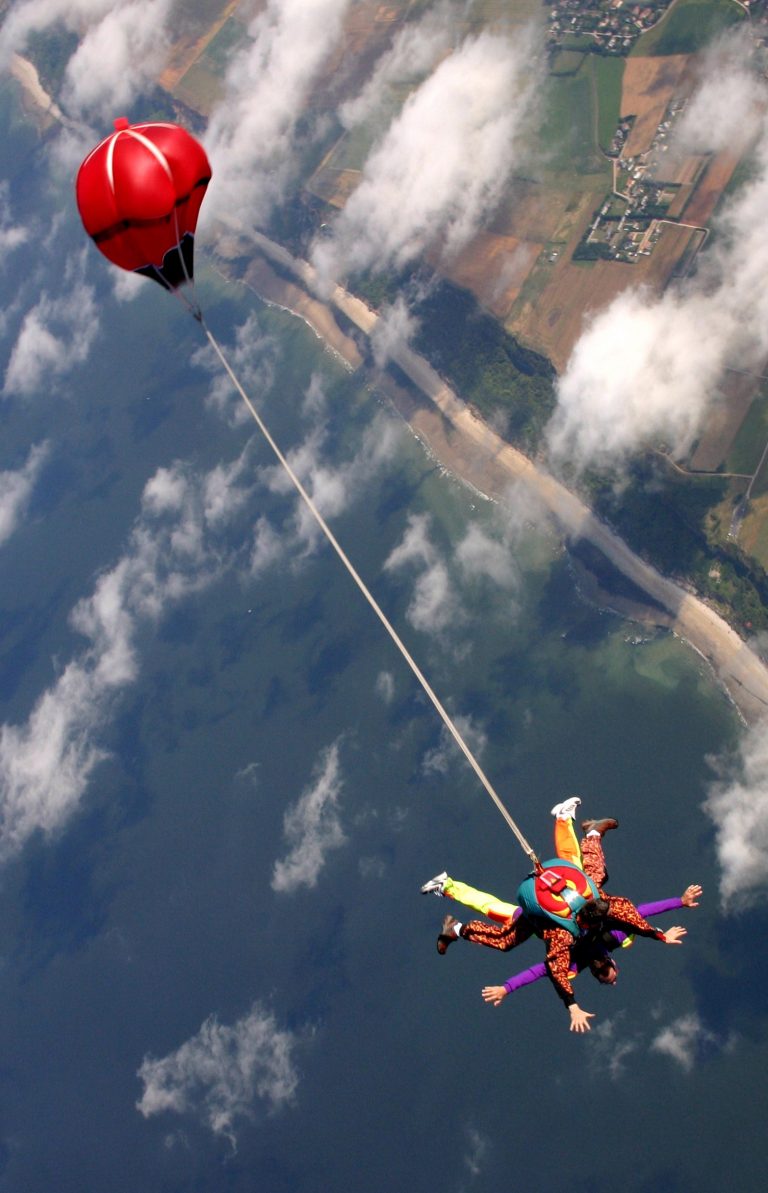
489	905
567	843
504	937
593	862
592	849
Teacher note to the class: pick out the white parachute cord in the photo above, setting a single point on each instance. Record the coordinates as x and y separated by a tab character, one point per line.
369	597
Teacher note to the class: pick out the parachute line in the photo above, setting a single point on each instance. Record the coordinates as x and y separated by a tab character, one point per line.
319	519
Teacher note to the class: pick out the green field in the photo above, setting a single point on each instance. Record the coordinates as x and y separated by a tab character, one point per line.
569	128
607	74
747	447
688	26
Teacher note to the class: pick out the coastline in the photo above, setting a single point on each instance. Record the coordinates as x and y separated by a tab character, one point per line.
473	452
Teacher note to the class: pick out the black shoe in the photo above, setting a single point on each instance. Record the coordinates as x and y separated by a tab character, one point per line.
599	826
447	935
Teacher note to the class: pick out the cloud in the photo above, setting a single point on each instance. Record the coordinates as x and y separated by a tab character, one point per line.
439	760
385	686
394	330
683	1040
252	131
16	489
121	49
738	806
725	110
174	551
11	234
118	57
434	605
442	166
648	368
437	602
483	557
332	489
56	335
416	49
610	1045
252	358
219	1074
478	1147
312	827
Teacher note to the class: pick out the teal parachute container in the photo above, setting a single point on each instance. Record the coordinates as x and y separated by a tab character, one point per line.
552	896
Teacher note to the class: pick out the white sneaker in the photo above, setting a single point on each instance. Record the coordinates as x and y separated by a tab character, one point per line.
436	885
567	809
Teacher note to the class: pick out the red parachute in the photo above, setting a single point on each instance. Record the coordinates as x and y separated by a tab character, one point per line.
139	194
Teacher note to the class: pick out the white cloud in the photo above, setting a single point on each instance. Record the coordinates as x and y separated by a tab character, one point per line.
394	330
385	686
648	367
118	57
268	548
443	164
252	359
434	605
220	1073
478	1147
333	489
439	760
738	806
11	234
16	489
724	111
683	1039
416	49
483	557
121	48
610	1044
56	335
312	827
251	133
437	602
46	763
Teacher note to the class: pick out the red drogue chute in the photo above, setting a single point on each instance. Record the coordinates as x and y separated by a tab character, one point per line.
139	194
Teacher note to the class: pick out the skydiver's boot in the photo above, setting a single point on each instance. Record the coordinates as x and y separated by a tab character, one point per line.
566	810
601	827
436	885
448	933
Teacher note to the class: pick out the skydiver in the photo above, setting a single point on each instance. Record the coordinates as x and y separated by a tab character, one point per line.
600	916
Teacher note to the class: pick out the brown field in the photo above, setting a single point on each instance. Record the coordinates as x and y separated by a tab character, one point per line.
724	421
533	212
333	186
494	268
553	322
649	84
753	537
368	29
185	52
711	185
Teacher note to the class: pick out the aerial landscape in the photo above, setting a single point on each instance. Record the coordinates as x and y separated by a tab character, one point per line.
491	274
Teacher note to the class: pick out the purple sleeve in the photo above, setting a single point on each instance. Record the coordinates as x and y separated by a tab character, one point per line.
525	978
648	909
535	972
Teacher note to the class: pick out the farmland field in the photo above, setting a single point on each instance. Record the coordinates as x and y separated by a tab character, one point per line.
647	87
688	27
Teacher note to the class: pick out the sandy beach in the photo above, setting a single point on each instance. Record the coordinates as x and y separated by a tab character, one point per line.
470	449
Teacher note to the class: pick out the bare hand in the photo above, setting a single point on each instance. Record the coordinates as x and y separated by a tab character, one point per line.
675	935
495	994
691	895
580	1019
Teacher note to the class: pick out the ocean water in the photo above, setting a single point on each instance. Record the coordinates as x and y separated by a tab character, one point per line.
153	908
